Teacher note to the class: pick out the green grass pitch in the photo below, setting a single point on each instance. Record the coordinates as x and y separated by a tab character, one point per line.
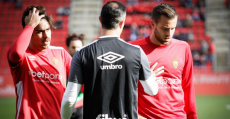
208	107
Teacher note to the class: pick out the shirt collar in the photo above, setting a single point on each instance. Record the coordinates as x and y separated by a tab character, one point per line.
108	36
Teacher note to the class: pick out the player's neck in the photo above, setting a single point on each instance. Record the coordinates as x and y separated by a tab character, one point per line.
106	32
35	50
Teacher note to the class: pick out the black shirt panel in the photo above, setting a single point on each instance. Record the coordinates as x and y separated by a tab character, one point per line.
109	68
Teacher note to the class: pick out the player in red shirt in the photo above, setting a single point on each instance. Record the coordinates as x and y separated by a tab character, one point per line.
39	70
176	96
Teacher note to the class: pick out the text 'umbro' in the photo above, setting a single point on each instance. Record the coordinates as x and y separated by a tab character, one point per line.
111	67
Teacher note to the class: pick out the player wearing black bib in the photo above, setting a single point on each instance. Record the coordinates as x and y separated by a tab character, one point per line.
109	68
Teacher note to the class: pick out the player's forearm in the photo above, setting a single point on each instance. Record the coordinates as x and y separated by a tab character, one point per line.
191	109
20	45
66	108
69	99
150	86
190	102
189	92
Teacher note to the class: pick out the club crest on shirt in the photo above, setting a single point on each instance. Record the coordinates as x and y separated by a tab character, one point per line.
175	63
55	61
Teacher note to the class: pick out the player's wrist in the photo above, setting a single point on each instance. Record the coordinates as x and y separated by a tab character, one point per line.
32	25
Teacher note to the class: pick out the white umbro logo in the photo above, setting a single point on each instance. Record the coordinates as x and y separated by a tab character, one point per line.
110	57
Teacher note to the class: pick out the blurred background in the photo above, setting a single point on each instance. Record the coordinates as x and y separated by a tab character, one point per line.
204	24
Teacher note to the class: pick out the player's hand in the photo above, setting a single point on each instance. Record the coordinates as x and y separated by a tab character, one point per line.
157	72
140	117
33	18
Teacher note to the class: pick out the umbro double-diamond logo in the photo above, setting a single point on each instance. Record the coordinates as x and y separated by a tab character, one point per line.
110	57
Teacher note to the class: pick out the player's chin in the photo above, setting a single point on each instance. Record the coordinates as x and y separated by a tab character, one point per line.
167	39
162	41
46	46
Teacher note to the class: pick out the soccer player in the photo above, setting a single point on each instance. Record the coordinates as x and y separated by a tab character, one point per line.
39	70
109	68
176	97
75	42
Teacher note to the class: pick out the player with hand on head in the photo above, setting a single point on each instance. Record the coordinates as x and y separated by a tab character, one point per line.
176	95
109	68
39	70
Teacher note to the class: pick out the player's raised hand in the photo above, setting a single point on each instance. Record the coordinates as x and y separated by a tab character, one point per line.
157	71
33	18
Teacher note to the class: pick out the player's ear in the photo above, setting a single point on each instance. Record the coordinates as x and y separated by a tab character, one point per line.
122	23
100	19
152	23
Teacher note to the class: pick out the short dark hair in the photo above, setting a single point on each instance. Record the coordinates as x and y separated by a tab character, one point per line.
42	11
164	9
74	36
112	14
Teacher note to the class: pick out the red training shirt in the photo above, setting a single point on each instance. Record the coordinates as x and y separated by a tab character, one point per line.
39	78
176	97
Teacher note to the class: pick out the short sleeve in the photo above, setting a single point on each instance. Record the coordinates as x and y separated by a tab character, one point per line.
75	74
145	71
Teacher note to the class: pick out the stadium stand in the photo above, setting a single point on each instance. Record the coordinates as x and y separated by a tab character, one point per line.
84	18
218	26
138	12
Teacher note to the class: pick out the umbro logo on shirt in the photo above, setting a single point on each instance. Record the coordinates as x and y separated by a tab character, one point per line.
110	57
